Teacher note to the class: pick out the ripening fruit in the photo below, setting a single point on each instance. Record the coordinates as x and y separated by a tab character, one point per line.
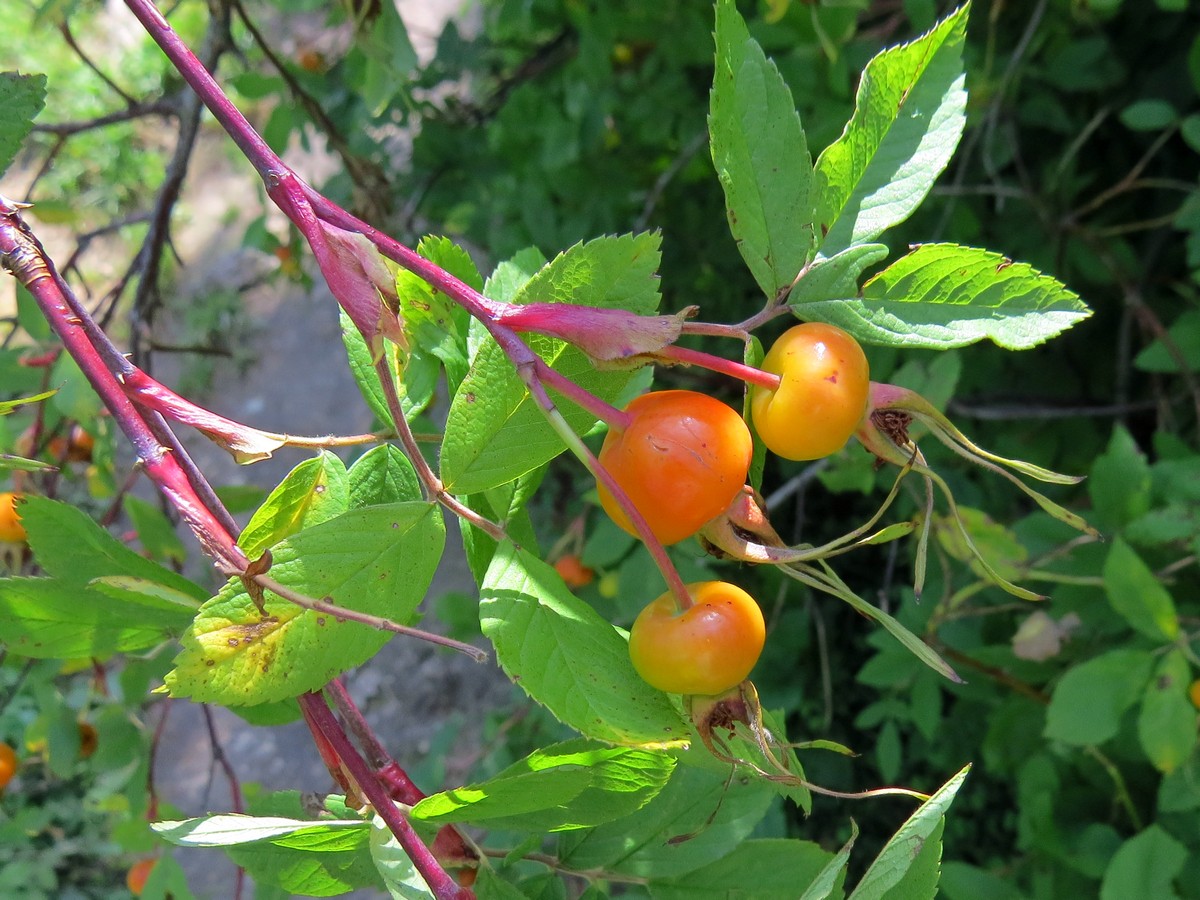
682	460
1194	693
135	878
78	446
8	765
573	572
11	528
822	397
706	649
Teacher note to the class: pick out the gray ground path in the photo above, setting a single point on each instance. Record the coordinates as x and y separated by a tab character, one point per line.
298	384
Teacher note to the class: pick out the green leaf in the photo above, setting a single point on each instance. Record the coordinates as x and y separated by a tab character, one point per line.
944	295
504	504
21	99
70	546
904	852
313	492
1136	593
400	876
568	658
1179	348
961	881
1087	704
1179	791
761	157
834	278
829	880
54	618
154	530
1120	482
1150	114
1167	721
1144	866
435	325
759	869
313	859
361	362
390	58
573	785
382	475
700	816
234	830
908	118
495	432
10	406
379	561
19	463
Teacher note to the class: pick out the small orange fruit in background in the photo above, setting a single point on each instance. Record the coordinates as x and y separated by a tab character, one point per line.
135	878
8	765
572	570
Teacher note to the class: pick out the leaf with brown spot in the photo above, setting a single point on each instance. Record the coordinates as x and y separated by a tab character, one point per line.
377	560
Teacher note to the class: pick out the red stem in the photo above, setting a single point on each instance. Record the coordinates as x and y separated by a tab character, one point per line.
737	370
440	883
25	257
605	412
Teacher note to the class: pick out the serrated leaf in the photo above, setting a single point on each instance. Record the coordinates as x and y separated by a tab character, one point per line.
1137	595
69	545
835	277
566	657
52	618
908	118
1167	719
761	156
382	475
379	560
945	295
313	492
891	867
435	325
577	784
1088	702
759	869
700	816
21	99
495	432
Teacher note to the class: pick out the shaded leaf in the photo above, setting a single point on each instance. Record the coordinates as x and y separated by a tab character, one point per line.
566	657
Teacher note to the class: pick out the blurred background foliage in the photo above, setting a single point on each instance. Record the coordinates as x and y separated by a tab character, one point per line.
547	122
